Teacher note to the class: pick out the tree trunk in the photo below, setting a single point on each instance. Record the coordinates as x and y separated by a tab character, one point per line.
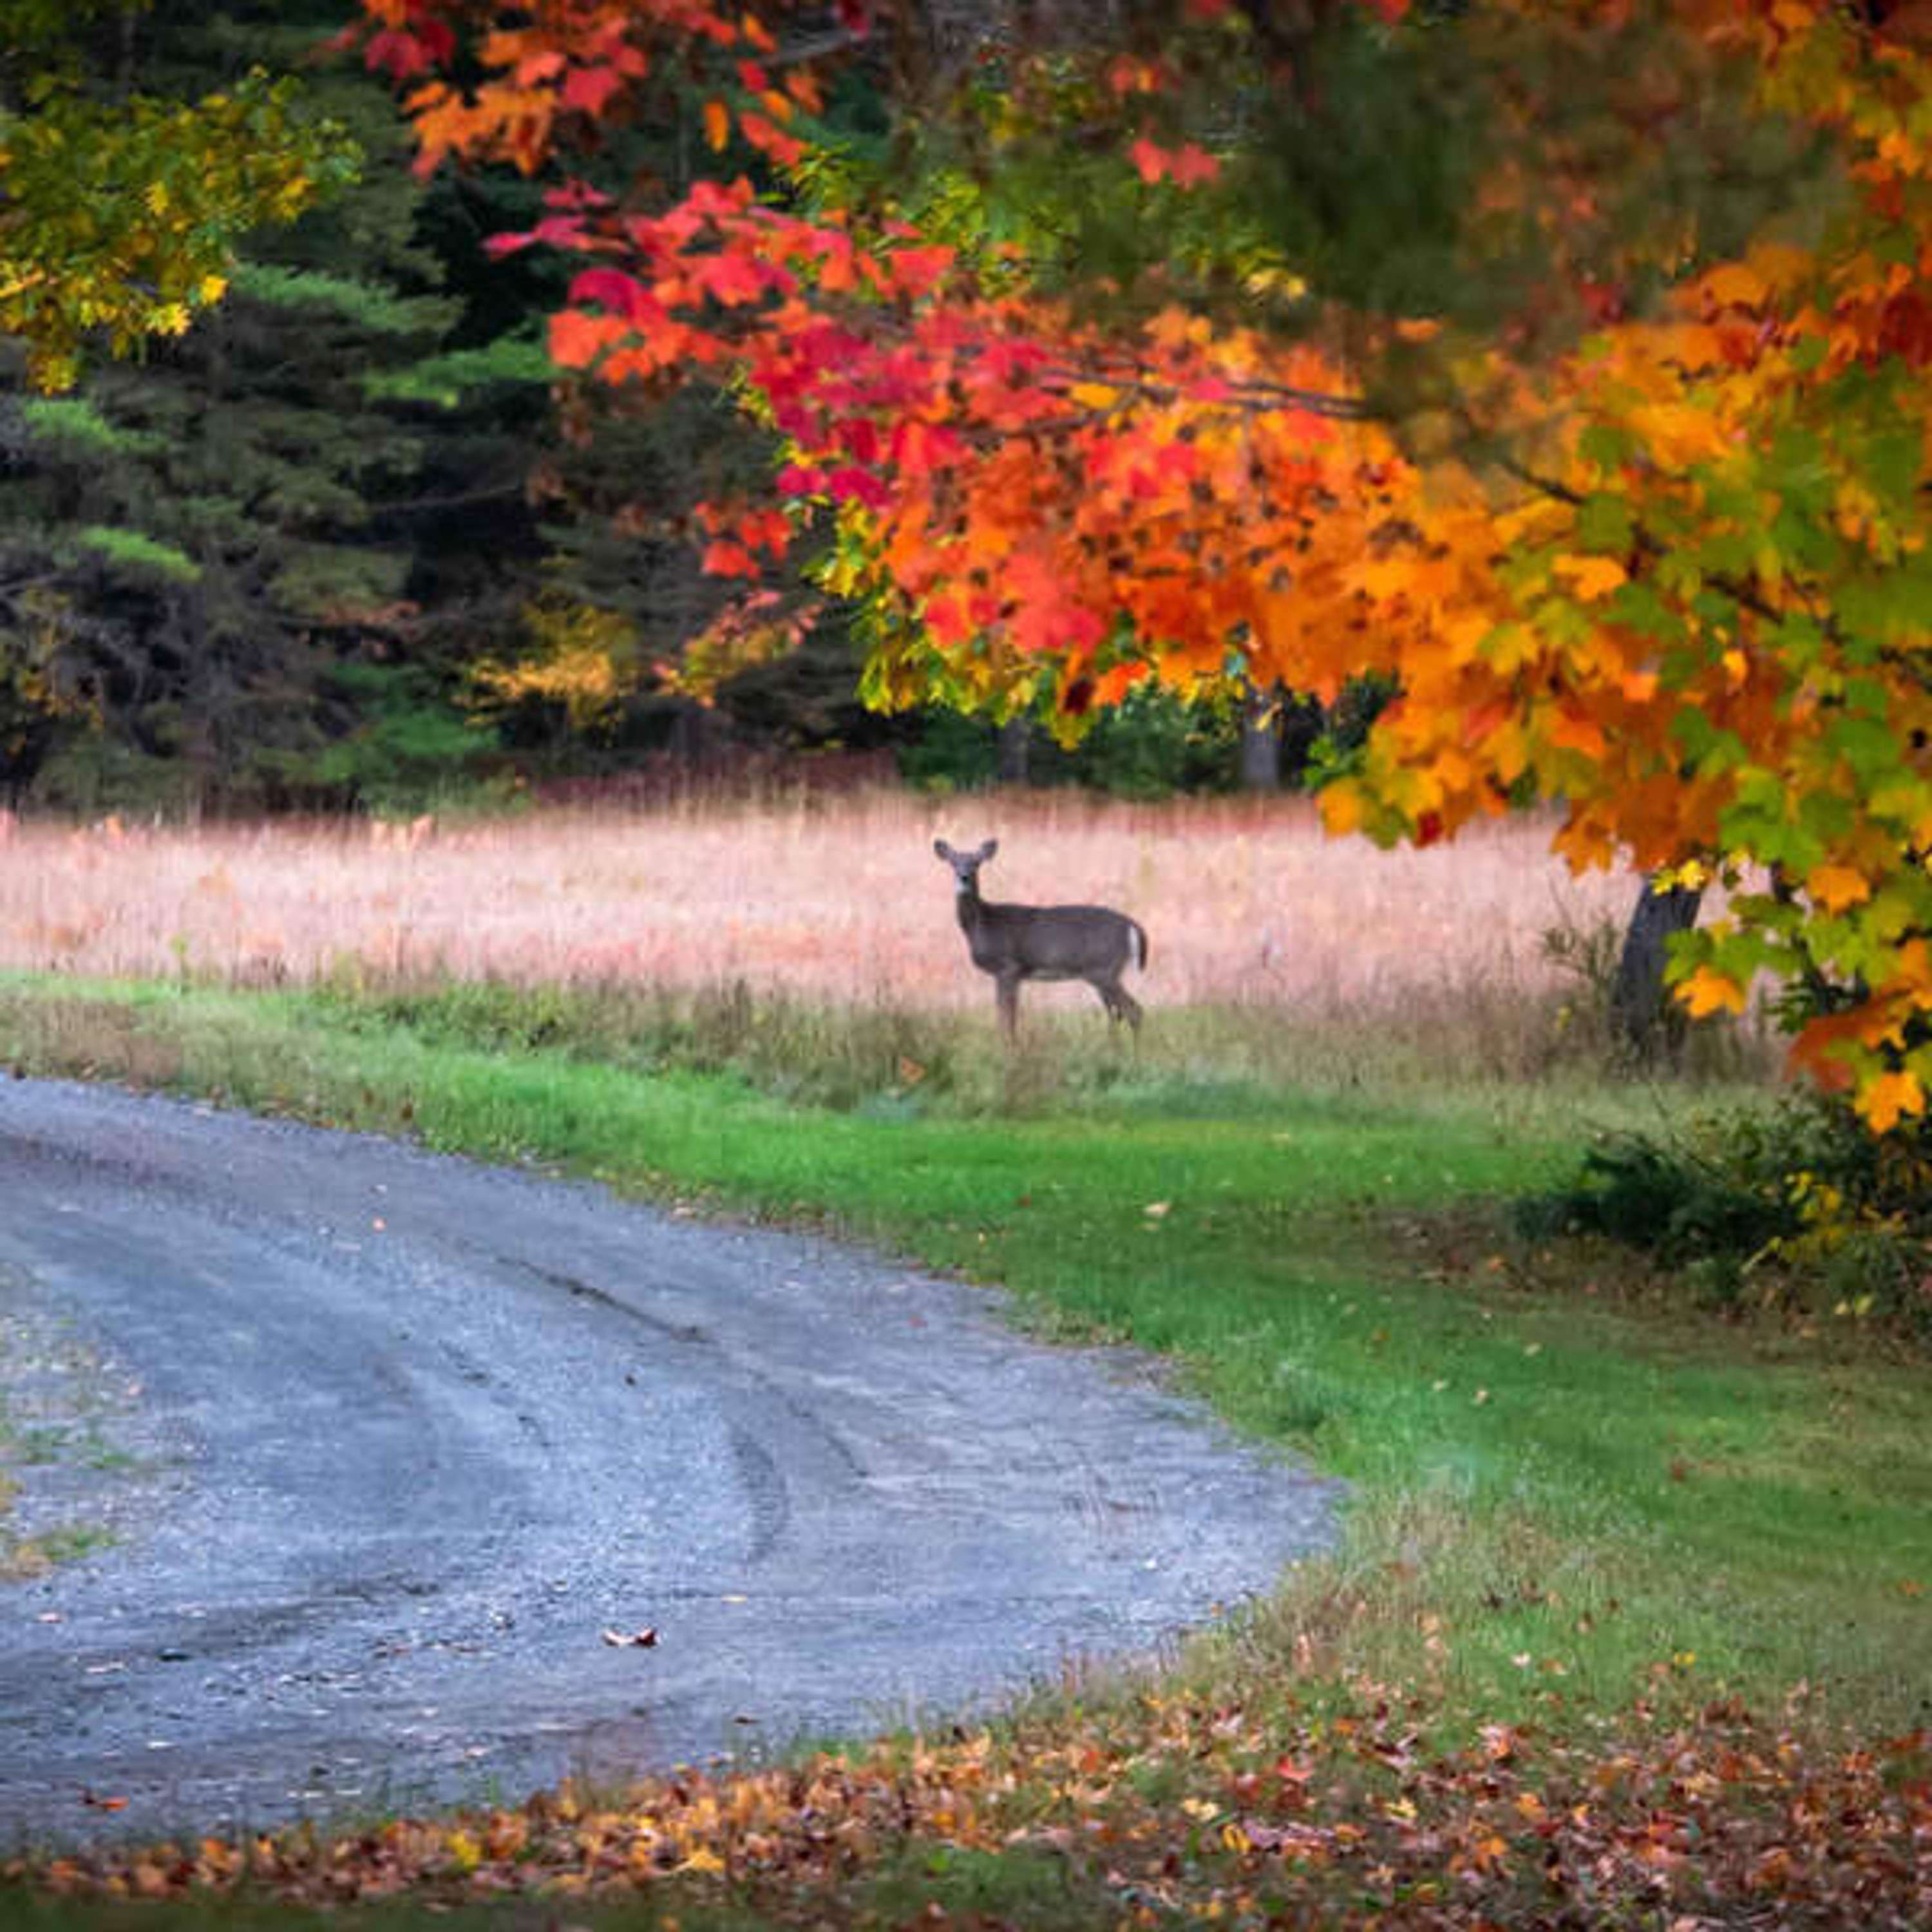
1015	750
1642	1016
1261	740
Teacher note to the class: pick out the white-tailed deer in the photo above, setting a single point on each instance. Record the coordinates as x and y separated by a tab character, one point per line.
1066	942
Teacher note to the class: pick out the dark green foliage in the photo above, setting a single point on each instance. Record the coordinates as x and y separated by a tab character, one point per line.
212	562
951	752
1338	746
408	747
1799	1204
1366	187
1681	1203
808	699
1155	745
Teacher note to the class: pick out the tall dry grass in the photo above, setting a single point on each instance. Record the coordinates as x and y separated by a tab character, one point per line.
1246	903
810	944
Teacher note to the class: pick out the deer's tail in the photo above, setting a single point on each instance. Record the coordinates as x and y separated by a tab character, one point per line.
1140	944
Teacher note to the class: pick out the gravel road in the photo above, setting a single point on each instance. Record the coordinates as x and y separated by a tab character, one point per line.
389	1441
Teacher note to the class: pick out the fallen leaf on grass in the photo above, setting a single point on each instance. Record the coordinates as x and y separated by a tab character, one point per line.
1190	1805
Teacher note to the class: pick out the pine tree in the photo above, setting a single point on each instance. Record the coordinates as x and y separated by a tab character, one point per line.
215	559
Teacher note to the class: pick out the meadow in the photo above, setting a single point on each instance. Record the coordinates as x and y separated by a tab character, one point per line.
837	900
1628	1622
810	944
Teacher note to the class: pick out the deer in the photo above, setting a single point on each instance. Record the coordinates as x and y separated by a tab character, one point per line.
1014	942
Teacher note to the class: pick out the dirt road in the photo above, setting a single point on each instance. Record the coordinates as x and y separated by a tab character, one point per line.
388	1441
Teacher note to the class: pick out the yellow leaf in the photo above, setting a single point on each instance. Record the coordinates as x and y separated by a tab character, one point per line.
1276	281
1341	808
1781	266
1463	636
1835	887
1734	284
1591	577
1691	343
1706	991
1884	1100
1912	971
1508	751
1383	578
717	125
1680	434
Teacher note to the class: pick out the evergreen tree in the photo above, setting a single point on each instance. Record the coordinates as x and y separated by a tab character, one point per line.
215	562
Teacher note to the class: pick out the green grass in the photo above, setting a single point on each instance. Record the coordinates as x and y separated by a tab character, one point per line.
1570	1489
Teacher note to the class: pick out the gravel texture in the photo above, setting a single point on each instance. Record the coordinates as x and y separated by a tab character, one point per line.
393	1440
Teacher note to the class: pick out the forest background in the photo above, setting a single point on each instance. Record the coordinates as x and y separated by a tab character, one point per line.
341	545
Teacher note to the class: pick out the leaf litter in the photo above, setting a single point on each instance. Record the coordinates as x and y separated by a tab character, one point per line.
1359	1805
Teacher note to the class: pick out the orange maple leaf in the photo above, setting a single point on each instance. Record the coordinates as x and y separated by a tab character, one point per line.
1707	991
1835	887
1887	1100
1591	577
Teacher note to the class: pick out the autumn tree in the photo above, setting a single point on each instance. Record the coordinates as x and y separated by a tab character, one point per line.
1563	366
120	206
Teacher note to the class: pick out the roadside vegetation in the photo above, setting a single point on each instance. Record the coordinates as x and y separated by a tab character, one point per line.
1628	1622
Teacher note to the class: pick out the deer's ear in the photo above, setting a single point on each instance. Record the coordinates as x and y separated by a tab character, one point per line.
987	850
944	851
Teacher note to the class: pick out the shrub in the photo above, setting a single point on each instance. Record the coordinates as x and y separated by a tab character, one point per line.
1798	1204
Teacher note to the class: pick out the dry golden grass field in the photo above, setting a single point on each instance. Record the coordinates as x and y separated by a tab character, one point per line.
840	903
838	900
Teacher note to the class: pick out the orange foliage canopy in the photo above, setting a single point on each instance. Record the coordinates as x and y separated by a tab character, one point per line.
1670	570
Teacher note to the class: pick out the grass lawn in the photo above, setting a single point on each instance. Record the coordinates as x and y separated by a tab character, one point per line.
1585	1517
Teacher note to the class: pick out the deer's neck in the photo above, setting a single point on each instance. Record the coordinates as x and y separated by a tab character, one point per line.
970	908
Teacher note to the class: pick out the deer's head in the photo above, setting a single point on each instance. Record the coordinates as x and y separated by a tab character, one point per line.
966	865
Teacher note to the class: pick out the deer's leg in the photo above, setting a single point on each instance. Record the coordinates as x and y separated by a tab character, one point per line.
1008	994
1120	1004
